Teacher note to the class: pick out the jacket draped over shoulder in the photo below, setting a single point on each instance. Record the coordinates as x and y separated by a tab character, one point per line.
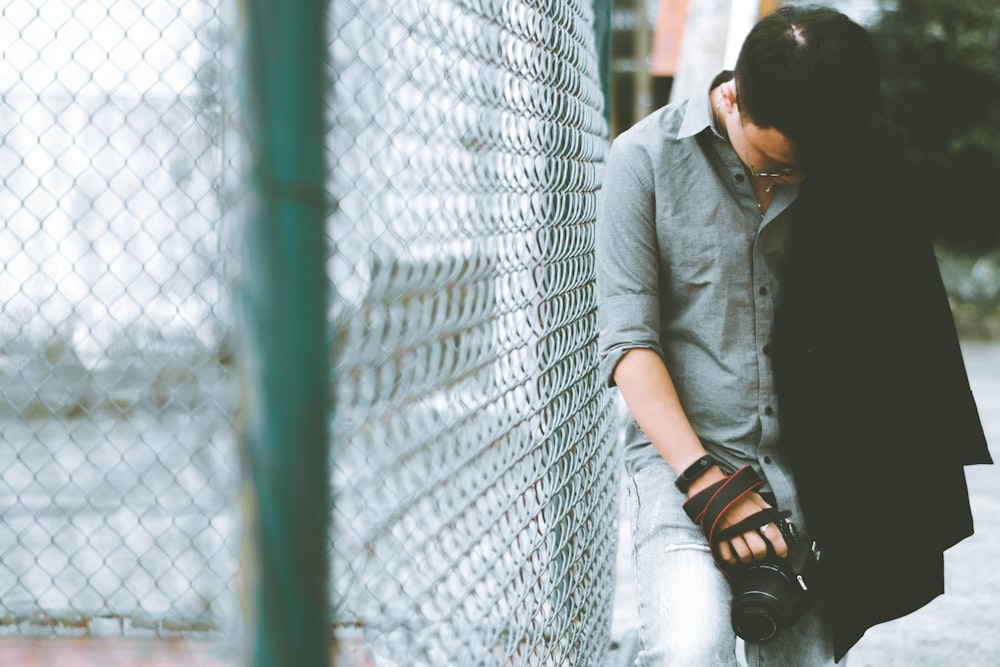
878	420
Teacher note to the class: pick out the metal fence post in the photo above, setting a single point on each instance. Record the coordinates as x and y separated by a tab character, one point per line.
285	291
602	44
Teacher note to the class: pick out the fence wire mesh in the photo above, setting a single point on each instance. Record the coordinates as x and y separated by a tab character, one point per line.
474	472
117	464
475	485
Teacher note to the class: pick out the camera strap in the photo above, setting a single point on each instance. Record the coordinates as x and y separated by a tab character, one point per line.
707	506
714	500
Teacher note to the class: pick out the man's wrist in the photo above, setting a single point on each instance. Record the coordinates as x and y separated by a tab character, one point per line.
710	477
693	472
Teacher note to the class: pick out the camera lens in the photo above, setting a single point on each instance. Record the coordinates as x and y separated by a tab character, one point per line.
759	598
755	618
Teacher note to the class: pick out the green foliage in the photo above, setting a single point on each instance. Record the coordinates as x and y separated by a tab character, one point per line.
941	84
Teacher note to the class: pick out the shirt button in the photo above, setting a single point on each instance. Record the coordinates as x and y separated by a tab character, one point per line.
763	291
739	178
767	350
767	459
769	411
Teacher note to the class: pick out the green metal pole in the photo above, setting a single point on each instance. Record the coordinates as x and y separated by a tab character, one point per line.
286	367
602	43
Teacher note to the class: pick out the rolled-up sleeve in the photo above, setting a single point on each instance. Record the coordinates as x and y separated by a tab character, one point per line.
627	258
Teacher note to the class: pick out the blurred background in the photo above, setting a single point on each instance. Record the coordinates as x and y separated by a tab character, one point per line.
473	468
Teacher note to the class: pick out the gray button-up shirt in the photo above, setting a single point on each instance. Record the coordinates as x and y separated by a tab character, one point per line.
688	267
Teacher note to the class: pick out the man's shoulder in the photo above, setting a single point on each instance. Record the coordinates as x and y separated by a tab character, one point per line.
652	138
661	126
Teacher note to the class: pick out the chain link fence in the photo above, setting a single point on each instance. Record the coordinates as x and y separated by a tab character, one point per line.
474	478
117	468
474	469
117	465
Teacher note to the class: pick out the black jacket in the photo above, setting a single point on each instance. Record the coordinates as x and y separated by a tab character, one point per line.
876	412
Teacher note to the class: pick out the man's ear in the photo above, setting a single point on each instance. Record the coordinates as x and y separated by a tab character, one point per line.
728	98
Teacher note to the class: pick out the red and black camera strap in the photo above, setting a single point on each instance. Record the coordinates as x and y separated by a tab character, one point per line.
707	507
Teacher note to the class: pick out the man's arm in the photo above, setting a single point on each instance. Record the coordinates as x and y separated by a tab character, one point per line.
649	392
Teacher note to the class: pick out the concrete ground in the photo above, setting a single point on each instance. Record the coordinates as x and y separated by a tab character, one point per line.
963	626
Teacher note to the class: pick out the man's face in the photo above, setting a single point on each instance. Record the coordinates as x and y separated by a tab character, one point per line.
766	152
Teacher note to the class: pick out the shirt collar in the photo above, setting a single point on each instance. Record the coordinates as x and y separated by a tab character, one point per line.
698	114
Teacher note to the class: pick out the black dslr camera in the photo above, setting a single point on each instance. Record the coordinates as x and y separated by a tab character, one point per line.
770	594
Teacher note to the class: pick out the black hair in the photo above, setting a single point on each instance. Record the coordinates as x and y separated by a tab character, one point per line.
811	73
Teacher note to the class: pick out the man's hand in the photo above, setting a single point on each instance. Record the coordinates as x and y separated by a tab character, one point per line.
748	546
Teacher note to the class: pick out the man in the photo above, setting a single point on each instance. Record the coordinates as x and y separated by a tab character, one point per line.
752	245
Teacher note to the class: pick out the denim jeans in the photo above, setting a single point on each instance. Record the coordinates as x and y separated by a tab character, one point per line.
684	600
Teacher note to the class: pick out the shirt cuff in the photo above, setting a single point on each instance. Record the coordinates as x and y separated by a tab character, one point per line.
626	322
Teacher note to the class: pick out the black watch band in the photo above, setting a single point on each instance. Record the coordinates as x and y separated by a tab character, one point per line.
693	472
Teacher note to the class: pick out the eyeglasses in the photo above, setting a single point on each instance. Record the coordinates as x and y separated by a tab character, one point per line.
783	173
